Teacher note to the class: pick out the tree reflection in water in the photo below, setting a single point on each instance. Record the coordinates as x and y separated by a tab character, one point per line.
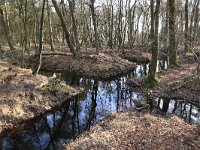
100	100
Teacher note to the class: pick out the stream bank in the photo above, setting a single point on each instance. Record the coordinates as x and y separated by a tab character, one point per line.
178	82
25	97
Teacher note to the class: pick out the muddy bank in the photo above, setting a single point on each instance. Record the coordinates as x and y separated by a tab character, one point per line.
24	96
139	131
90	65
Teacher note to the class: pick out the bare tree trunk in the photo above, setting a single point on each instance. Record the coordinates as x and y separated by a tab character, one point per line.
167	26
39	54
94	20
154	38
196	21
64	26
71	7
191	25
127	7
131	24
172	34
186	26
50	27
6	26
119	30
110	40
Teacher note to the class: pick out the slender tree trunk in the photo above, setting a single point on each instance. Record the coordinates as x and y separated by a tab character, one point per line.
64	26
166	44
50	27
127	6
154	38
6	27
71	7
186	26
172	34
192	25
119	30
131	24
196	22
94	20
110	40
39	54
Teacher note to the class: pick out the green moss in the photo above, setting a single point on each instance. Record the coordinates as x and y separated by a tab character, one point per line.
53	86
151	82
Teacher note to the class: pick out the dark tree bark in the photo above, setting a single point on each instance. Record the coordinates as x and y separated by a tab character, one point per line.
172	34
64	26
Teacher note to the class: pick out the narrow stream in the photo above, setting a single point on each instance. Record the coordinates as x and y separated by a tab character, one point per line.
101	99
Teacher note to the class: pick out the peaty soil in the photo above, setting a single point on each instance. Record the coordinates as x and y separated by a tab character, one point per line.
138	131
24	96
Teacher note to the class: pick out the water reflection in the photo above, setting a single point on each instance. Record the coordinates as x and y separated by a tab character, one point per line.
188	110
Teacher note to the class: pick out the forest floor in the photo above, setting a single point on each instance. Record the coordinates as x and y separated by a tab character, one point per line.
139	131
24	96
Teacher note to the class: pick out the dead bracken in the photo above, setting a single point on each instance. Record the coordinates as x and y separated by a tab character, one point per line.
139	131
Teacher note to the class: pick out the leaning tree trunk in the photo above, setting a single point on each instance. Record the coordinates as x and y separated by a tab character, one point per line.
39	52
172	34
64	26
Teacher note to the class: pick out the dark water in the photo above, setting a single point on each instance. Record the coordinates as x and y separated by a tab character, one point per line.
100	100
